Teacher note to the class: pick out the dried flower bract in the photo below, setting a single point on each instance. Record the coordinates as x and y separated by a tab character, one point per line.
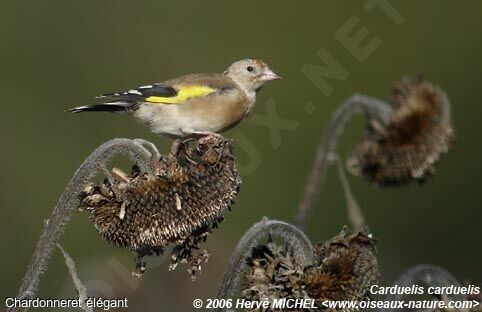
417	134
179	203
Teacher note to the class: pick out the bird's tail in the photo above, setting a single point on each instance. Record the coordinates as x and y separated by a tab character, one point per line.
112	107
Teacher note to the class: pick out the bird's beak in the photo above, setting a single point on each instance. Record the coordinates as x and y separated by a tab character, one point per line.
268	75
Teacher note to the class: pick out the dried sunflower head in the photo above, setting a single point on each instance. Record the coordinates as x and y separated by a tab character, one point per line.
179	204
275	272
417	134
344	268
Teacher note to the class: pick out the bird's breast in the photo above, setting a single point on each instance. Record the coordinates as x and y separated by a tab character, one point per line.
216	113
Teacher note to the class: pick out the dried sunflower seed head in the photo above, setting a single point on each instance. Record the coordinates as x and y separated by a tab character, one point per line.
417	135
274	273
347	268
344	268
179	204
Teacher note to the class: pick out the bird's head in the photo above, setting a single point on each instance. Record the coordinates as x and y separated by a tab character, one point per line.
250	74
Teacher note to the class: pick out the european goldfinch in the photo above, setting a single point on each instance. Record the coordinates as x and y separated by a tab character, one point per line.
192	106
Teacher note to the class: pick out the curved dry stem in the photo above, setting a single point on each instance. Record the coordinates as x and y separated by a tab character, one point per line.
79	286
374	110
355	214
427	274
94	163
296	239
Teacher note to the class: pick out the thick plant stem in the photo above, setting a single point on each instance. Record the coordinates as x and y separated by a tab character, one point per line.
373	109
290	234
94	163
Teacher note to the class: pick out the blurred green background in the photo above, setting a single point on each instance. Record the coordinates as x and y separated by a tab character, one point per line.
58	54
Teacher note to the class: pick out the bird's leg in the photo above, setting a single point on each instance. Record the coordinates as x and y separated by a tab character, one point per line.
176	146
186	141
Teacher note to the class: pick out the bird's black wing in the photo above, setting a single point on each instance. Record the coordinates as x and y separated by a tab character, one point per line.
122	102
141	93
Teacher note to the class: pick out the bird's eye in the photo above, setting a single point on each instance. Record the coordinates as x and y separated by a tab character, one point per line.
250	68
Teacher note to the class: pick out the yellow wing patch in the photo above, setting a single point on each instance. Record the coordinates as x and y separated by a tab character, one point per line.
184	93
